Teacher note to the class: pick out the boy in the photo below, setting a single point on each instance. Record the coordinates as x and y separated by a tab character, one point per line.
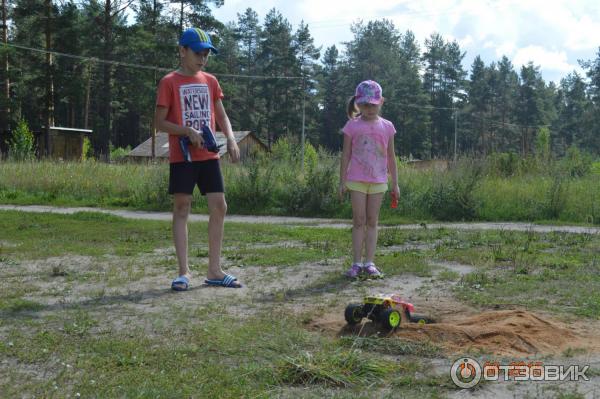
187	99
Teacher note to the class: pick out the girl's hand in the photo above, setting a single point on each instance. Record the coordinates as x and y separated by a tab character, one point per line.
395	194
342	190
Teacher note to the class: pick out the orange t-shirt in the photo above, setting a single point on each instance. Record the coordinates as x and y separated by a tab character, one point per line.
191	102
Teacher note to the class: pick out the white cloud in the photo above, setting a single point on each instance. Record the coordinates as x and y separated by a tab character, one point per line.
506	48
551	33
583	35
466	41
550	60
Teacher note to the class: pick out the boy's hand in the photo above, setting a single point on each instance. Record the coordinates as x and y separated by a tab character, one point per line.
195	137
342	190
233	150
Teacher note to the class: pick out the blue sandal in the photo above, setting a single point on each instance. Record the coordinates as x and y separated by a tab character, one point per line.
228	281
181	283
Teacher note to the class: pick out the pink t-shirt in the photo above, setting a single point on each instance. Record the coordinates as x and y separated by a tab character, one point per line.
368	161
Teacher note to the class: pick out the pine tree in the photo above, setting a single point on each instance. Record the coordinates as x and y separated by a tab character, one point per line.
305	102
276	58
332	115
444	81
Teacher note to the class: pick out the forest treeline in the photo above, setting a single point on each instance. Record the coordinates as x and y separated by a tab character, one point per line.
107	57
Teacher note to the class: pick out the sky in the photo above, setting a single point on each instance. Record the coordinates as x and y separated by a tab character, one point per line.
553	34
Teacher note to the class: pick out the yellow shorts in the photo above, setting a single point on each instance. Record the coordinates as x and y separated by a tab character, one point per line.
367	188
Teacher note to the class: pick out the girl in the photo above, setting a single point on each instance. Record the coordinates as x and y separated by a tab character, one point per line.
368	155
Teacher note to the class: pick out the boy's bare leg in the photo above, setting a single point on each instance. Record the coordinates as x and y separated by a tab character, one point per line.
373	207
217	208
181	210
359	217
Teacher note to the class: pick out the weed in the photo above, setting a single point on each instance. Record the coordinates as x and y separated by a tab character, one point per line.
340	368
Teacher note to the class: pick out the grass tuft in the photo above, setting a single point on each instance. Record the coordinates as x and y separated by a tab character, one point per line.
341	368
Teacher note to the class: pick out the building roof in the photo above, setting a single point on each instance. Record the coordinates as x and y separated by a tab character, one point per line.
64	130
161	147
70	129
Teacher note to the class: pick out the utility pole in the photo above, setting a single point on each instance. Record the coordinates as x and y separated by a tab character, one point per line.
5	119
303	121
88	87
455	133
49	78
154	21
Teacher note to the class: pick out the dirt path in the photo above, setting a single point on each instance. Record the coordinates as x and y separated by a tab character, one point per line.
317	222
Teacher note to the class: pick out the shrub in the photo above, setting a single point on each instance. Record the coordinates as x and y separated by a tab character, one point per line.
87	151
21	147
451	195
504	164
250	188
119	154
575	163
313	193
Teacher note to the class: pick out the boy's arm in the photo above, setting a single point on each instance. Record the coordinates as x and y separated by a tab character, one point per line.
225	125
392	167
161	123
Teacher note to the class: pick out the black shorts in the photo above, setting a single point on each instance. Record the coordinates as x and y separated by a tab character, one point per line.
183	176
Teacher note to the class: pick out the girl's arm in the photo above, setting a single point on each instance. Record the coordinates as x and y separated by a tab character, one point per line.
346	153
392	167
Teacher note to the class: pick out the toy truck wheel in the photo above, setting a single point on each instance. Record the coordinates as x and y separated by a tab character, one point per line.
415	318
390	319
354	313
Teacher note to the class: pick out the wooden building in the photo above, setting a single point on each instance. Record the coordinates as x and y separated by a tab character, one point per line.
246	141
438	165
65	143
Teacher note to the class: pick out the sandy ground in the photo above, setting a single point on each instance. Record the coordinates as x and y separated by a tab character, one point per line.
143	288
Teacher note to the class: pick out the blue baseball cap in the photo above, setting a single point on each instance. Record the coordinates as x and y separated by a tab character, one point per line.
197	40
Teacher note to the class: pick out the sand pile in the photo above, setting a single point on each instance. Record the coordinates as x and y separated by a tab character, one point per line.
506	332
514	332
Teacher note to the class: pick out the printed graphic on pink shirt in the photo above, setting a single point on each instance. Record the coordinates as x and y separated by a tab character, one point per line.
195	105
370	156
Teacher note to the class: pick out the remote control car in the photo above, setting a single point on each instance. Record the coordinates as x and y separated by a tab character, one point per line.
210	143
383	309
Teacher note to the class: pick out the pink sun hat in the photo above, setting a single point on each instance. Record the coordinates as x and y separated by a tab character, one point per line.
368	92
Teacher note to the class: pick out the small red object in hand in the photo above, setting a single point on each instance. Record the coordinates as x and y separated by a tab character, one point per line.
394	202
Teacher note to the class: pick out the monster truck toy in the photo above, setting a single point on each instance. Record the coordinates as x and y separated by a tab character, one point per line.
383	309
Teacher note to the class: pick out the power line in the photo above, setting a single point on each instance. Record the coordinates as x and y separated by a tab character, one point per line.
155	68
426	106
471	115
130	65
502	124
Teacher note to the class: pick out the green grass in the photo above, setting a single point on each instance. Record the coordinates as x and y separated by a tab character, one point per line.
555	271
45	235
81	310
179	360
392	346
473	190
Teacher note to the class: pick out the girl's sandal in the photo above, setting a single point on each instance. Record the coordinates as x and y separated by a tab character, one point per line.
371	271
354	271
